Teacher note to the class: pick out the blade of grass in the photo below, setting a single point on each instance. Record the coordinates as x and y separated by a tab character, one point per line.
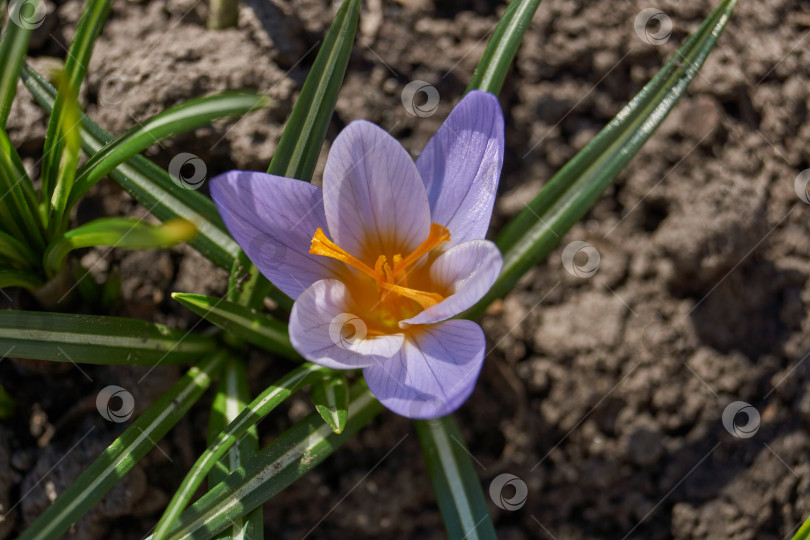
533	233
13	46
78	57
330	396
293	454
16	253
152	186
454	480
119	458
804	531
181	118
10	277
300	144
231	398
247	324
95	339
501	48
19	215
258	409
69	146
123	233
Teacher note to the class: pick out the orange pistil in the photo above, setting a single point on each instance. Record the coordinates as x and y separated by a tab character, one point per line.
388	279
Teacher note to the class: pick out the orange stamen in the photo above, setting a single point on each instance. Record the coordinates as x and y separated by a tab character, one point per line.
387	279
436	236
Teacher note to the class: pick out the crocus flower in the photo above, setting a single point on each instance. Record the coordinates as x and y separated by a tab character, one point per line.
382	258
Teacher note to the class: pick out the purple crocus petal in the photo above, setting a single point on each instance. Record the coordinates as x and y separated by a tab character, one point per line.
273	219
374	197
461	166
433	374
325	331
467	271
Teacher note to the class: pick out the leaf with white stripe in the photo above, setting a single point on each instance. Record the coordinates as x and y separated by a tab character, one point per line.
122	455
331	398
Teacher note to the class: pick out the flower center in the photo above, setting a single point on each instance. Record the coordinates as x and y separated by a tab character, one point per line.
391	277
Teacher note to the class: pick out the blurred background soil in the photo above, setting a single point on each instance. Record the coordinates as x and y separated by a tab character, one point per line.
603	394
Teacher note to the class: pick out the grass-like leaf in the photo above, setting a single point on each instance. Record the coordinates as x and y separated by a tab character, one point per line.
331	398
255	411
231	398
533	233
804	531
19	215
244	323
11	277
293	454
454	480
13	46
126	233
94	339
15	253
501	48
152	186
119	458
78	58
181	118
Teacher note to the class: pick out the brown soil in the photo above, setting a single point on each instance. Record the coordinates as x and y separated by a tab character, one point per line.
603	394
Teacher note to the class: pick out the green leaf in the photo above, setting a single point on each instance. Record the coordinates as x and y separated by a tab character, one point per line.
18	202
78	58
293	454
244	323
502	46
454	480
331	398
94	339
533	233
15	252
152	186
11	277
125	233
13	46
300	144
231	398
7	404
119	458
258	409
68	148
181	118
804	531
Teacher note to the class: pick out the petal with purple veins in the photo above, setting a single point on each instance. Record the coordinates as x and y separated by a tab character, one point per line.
273	219
374	198
467	271
433	374
461	166
324	330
